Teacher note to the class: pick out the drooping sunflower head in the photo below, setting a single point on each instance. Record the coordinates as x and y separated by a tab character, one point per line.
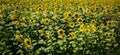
79	20
60	32
27	42
71	24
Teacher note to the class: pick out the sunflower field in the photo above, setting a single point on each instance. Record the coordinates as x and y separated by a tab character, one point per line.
59	27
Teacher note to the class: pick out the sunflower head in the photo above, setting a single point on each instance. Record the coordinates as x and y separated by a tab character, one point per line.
75	15
79	20
87	29
16	23
71	24
93	14
27	42
37	13
12	17
87	11
45	21
39	8
48	34
23	19
60	32
109	23
110	34
79	8
102	25
69	14
81	28
65	19
94	28
18	37
93	21
40	31
73	35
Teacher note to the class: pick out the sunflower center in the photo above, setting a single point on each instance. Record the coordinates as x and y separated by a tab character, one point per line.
28	42
72	24
80	20
110	34
69	14
109	23
76	15
80	8
47	21
61	32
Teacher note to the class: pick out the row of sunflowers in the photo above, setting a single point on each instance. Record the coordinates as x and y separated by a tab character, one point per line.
59	27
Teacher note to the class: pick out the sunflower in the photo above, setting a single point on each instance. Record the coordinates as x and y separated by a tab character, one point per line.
94	28
79	8
71	24
37	13
48	34
111	34
81	28
93	14
93	21
87	29
109	23
27	42
55	11
16	23
75	15
69	14
96	8
23	19
106	10
65	19
87	11
31	22
39	8
45	21
79	20
73	35
101	33
65	14
60	32
18	37
40	31
102	25
12	17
